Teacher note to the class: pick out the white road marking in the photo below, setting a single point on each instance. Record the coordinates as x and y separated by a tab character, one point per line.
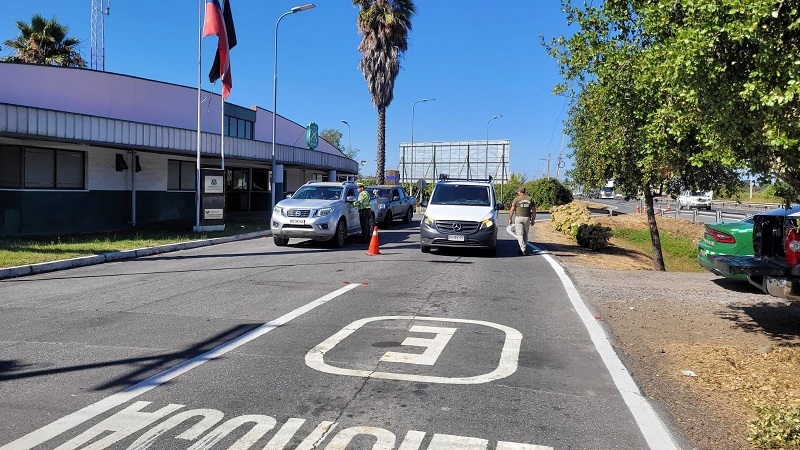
507	365
70	421
433	346
650	424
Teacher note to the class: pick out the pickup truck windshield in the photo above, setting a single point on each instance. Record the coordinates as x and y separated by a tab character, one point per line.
456	194
318	192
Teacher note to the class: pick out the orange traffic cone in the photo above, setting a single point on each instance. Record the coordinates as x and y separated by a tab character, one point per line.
373	244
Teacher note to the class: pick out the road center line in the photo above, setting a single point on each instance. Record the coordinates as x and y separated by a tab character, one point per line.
650	425
72	420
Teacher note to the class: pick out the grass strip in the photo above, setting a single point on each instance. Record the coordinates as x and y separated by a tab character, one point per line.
679	251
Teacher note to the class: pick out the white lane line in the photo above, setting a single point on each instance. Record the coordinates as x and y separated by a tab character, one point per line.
72	420
650	424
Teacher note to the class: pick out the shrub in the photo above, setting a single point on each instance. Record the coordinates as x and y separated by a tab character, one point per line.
775	427
548	192
567	218
593	236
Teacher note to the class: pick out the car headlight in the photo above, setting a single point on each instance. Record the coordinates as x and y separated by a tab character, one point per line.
277	210
428	220
324	212
486	224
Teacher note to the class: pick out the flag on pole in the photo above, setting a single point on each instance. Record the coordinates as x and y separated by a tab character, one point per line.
219	22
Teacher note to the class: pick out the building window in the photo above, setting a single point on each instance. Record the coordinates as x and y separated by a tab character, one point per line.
238	128
260	179
11	168
237	179
181	175
42	168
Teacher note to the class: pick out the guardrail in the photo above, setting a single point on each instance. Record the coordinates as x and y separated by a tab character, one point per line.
693	214
745	205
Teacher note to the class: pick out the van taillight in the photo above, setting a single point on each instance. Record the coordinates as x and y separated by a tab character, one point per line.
791	245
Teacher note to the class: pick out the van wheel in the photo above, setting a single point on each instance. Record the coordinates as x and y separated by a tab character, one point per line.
387	221
424	248
280	241
409	215
340	237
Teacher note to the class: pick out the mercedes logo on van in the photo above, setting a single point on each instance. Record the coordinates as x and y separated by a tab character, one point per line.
456	226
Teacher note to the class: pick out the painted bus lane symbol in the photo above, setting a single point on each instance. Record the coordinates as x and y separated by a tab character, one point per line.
153	426
432	338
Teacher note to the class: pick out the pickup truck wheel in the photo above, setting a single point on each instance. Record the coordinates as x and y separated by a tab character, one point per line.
340	237
424	248
409	215
280	241
387	221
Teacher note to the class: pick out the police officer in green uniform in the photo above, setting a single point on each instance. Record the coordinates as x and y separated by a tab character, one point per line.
522	215
364	211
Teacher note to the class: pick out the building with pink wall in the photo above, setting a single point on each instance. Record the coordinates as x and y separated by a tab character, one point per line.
83	150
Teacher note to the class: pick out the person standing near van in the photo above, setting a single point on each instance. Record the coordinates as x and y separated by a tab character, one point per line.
364	211
522	215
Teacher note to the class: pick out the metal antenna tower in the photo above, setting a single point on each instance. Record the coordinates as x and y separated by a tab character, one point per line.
98	57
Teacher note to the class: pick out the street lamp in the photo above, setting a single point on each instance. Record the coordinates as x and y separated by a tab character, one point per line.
295	9
502	156
348	133
412	136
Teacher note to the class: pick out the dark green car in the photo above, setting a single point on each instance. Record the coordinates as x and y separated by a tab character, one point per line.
726	238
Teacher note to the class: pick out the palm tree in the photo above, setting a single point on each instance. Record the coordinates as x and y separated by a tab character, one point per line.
384	25
44	42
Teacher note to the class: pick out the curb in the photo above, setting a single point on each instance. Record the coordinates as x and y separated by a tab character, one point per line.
51	266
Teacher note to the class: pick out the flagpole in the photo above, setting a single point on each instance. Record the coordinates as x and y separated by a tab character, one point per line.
222	131
199	82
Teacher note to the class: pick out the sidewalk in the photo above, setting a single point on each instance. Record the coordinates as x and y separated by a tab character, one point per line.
31	269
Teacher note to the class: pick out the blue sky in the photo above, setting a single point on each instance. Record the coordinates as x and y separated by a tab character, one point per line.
477	58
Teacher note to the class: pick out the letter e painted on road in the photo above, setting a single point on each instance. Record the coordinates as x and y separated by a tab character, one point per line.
433	346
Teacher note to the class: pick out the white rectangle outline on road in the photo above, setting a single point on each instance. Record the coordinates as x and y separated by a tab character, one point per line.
507	365
650	424
70	421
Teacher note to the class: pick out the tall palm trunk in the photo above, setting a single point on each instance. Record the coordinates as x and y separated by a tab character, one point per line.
381	145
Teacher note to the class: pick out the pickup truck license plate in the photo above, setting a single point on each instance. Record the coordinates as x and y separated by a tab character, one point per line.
455	237
297	221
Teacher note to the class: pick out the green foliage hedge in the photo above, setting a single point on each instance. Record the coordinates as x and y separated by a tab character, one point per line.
775	428
546	193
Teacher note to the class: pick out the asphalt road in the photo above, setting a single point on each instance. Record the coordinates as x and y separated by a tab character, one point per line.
249	345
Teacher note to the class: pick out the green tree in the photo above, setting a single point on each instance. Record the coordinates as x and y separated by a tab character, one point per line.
334	137
733	69
384	26
44	42
623	125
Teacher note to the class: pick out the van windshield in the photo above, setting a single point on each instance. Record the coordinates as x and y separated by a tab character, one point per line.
457	194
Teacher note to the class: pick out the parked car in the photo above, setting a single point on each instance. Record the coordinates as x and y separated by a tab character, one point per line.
392	203
694	200
322	211
723	239
460	213
774	266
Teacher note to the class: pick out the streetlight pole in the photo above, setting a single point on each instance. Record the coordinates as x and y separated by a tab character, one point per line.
502	166
295	9
412	133
348	134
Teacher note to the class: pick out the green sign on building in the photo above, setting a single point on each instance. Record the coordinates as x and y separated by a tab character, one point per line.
312	136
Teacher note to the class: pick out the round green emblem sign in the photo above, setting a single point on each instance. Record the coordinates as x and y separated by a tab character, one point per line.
312	136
